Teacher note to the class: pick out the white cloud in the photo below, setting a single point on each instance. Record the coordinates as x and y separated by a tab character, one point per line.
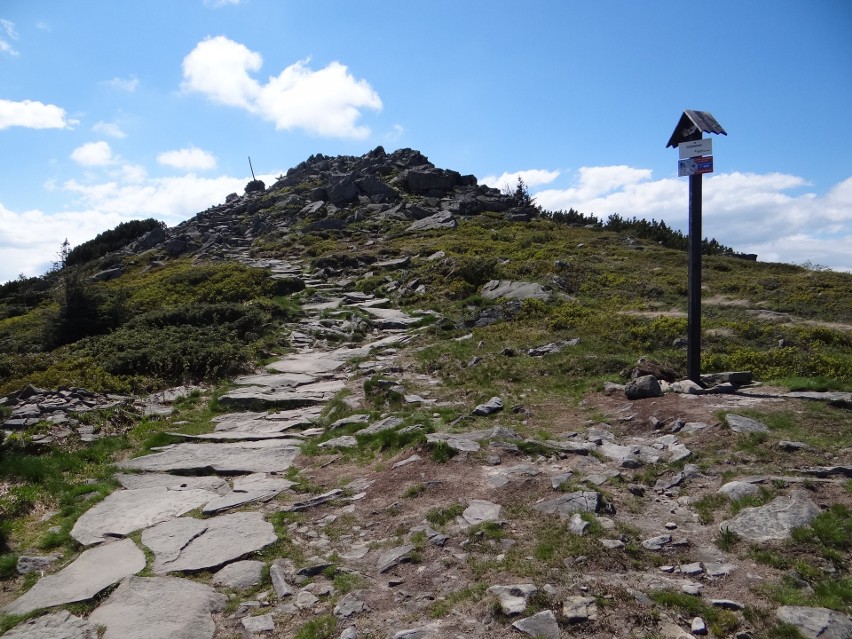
124	84
327	102
111	129
755	213
531	177
30	240
94	154
7	33
32	114
188	159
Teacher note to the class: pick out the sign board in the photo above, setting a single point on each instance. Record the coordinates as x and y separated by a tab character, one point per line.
695	166
695	148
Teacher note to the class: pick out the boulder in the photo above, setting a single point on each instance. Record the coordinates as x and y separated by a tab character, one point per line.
514	290
643	387
441	220
817	623
774	521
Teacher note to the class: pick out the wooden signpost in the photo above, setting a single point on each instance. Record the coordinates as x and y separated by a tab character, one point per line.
696	159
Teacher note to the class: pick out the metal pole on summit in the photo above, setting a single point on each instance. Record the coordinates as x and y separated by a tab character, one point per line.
693	348
696	158
251	168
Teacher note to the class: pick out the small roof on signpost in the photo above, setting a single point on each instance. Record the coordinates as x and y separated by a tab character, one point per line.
691	125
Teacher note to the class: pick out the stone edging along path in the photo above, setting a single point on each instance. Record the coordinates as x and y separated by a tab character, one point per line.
171	574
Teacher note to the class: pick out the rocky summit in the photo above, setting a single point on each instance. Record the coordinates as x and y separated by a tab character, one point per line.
438	442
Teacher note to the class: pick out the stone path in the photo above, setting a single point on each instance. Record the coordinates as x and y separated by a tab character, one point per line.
194	524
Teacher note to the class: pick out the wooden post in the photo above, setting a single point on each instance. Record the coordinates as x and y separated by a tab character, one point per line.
693	347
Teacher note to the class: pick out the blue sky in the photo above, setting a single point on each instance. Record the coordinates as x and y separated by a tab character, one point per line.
111	111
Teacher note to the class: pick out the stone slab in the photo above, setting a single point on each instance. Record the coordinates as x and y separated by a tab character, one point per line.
56	625
93	571
146	607
254	487
307	363
135	481
196	544
266	456
275	379
124	511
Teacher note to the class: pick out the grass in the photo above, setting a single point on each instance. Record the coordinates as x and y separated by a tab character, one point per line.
450	601
443	515
707	506
722	623
321	627
726	540
815	562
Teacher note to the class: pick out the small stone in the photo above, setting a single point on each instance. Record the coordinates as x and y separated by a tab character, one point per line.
493	405
741	424
579	609
698	627
260	623
279	581
735	490
541	625
305	600
692	588
692	569
612	544
348	605
393	557
671	525
479	511
349	633
577	525
636	489
513	598
239	575
792	447
657	543
714	569
727	604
